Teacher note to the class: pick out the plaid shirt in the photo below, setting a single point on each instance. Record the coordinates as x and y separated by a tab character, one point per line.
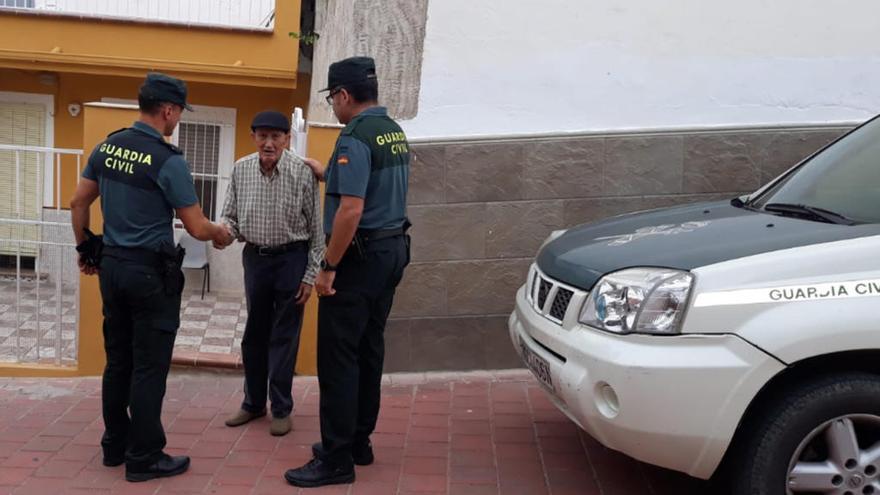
276	209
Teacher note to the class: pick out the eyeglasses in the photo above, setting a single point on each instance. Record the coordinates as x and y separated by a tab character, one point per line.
331	94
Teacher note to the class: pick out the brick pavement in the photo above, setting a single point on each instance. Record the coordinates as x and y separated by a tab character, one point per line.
443	433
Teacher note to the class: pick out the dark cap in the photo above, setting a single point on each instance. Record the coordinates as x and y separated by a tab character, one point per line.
350	71
163	88
270	119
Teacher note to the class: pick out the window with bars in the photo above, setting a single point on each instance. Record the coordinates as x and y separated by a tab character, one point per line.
200	143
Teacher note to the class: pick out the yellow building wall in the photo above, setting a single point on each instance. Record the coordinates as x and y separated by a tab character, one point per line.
98	122
105	47
84	132
320	146
81	88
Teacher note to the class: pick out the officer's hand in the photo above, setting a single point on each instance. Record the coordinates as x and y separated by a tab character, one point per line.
316	166
222	236
87	269
324	283
305	291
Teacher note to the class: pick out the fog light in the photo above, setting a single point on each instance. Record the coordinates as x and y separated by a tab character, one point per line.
606	400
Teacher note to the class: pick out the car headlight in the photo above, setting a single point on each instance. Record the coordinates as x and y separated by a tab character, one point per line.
638	300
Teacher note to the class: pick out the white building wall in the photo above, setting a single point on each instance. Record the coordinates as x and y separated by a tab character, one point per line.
519	66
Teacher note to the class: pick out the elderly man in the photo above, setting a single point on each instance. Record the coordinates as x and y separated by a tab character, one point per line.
273	206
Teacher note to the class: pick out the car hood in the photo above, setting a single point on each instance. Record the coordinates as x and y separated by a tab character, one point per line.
683	238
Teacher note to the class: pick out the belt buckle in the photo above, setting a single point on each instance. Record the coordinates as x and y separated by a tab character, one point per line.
262	251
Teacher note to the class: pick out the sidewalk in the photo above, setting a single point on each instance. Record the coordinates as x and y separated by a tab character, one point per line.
441	433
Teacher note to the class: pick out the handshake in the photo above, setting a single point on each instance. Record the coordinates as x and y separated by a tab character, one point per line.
223	236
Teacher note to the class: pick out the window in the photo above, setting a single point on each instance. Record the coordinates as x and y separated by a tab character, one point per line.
25	120
844	178
200	143
207	139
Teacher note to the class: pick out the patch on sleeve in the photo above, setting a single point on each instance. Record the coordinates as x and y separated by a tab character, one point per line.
342	160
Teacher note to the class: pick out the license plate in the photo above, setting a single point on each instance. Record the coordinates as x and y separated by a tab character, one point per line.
538	365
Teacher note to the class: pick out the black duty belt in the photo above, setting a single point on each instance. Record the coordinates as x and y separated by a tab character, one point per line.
283	248
132	254
366	236
375	235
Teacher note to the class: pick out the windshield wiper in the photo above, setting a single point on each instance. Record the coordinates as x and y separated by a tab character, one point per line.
814	212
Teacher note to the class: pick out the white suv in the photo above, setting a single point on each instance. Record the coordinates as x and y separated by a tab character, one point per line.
741	334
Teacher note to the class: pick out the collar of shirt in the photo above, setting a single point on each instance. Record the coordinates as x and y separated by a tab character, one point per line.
146	128
274	173
376	111
285	161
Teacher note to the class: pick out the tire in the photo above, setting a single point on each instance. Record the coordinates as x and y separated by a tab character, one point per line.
811	428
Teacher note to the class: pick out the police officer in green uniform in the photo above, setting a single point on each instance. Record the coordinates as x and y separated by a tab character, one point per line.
367	251
142	181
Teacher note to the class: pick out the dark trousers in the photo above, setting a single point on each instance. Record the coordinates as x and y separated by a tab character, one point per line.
271	335
140	323
351	345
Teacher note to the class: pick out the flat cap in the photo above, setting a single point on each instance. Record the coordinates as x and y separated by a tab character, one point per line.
270	119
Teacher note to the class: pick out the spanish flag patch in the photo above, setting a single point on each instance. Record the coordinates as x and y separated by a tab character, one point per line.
342	160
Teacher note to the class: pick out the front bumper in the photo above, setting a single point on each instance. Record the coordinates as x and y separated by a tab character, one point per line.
672	401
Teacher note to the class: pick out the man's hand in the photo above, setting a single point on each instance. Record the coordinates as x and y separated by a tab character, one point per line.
316	166
223	237
324	283
305	291
86	269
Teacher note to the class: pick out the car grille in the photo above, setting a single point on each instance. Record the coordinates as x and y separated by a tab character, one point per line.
542	289
543	292
560	303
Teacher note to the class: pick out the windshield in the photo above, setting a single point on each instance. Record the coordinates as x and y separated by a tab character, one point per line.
844	178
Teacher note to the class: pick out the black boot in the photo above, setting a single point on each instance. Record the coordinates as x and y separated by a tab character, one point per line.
113	458
318	472
166	466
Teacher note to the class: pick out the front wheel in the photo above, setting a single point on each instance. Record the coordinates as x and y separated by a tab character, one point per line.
820	438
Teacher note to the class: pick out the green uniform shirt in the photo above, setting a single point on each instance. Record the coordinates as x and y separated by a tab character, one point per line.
371	161
141	180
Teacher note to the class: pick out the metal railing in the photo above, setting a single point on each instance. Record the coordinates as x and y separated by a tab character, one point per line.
39	277
256	15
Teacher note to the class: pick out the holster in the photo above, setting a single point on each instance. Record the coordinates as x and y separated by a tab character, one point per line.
90	249
360	246
407	239
363	238
170	264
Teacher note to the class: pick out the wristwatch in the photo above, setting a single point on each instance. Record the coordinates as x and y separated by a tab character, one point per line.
327	267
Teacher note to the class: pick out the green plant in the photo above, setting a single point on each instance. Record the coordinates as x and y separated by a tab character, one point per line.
308	38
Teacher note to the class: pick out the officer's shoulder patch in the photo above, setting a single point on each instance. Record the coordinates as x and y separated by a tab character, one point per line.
342	159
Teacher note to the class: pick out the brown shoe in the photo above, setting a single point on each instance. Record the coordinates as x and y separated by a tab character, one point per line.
242	417
280	426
